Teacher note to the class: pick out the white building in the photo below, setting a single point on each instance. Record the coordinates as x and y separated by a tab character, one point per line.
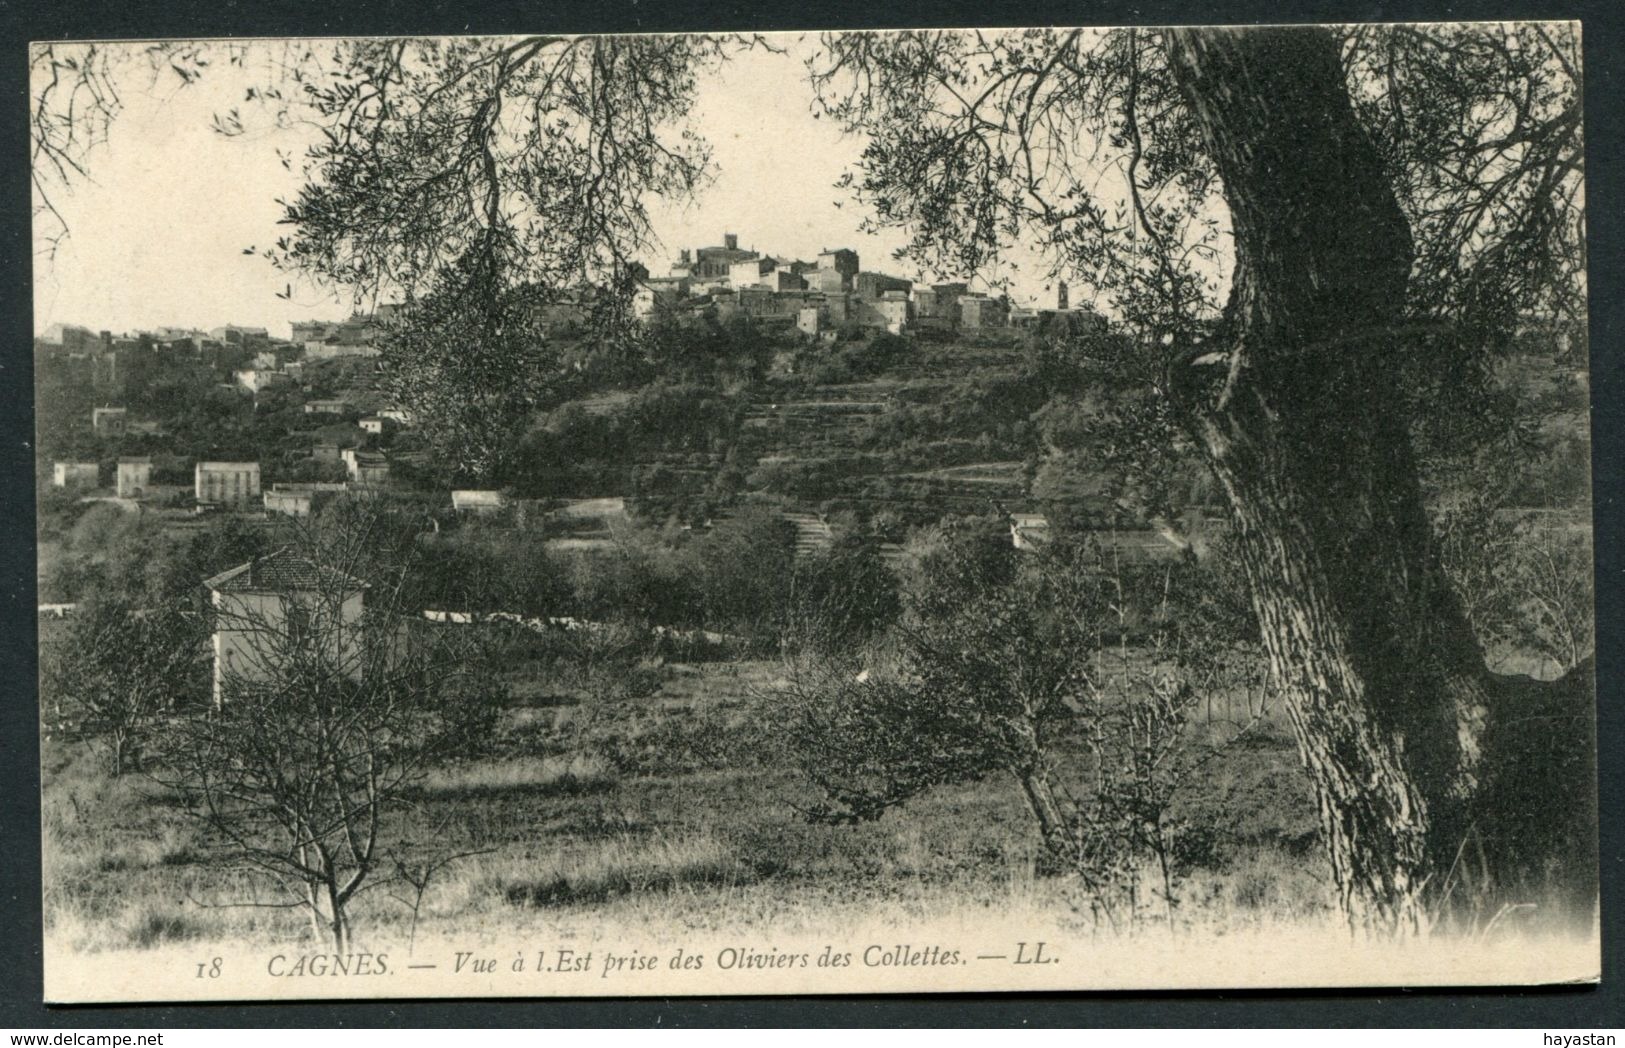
134	477
894	308
108	422
289	503
365	467
478	501
331	350
227	483
75	475
277	609
1028	530
256	379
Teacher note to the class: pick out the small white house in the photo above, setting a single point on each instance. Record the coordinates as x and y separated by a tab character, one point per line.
1028	530
289	503
478	501
75	475
365	467
109	422
134	477
256	379
280	607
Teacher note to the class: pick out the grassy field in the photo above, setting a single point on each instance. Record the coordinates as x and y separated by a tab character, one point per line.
688	821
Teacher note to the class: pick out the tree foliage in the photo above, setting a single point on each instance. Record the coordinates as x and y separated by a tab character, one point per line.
1080	141
119	668
1071	674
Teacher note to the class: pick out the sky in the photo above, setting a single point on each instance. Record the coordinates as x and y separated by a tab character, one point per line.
157	236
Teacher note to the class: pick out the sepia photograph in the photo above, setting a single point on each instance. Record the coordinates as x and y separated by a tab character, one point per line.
834	512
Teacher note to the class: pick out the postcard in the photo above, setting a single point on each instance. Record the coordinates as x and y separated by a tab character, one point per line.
843	512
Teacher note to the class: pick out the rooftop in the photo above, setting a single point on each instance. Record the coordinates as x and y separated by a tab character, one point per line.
280	571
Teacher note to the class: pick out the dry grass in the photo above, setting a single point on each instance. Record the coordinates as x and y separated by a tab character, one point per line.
553	839
562	775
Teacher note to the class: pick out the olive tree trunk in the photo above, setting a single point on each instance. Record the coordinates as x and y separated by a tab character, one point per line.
1400	726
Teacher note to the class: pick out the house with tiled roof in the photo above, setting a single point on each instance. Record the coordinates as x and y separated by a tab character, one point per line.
276	610
365	467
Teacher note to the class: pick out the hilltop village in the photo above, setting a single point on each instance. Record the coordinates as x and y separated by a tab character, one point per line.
839	399
302	418
821	297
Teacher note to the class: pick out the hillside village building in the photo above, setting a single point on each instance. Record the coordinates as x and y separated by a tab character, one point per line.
937	306
277	606
69	337
302	331
811	319
289	503
365	467
301	498
331	349
355	337
895	311
980	311
246	337
134	477
478	501
813	297
752	272
109	422
235	484
710	263
75	475
257	379
836	270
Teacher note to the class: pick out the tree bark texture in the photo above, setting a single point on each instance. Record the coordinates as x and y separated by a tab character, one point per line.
1394	711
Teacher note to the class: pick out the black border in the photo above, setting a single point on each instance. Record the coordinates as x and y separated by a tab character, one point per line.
1557	1008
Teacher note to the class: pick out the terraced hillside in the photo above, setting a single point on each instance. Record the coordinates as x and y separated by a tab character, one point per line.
940	429
916	430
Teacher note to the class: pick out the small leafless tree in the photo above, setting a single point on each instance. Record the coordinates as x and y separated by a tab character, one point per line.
333	699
